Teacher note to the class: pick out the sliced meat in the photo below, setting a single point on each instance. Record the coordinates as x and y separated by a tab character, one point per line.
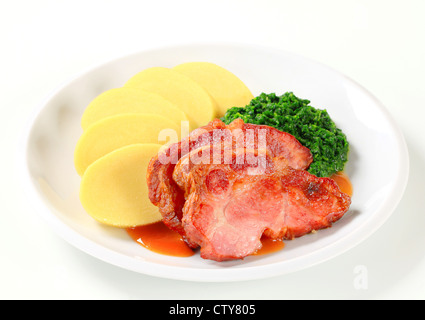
163	191
228	208
170	198
278	143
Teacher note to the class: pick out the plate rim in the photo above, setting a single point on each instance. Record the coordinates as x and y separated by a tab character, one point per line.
228	274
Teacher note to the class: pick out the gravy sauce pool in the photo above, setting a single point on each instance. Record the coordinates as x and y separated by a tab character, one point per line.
343	183
158	238
270	246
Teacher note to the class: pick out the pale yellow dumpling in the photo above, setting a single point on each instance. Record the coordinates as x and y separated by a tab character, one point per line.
121	130
225	87
114	190
182	91
129	100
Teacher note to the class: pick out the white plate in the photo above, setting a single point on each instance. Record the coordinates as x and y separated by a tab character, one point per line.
377	166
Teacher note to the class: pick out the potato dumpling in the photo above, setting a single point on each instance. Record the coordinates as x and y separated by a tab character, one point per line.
182	91
129	100
225	88
114	190
117	131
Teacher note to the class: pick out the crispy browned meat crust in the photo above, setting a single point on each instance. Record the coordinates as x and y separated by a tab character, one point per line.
188	177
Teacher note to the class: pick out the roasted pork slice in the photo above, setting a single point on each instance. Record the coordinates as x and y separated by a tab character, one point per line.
163	191
277	143
170	198
229	207
259	162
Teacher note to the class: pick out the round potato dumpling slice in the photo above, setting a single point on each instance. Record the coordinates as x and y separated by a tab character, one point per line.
225	87
114	190
182	91
129	100
121	130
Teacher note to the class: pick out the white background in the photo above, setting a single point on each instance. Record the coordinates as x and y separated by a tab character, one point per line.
379	44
